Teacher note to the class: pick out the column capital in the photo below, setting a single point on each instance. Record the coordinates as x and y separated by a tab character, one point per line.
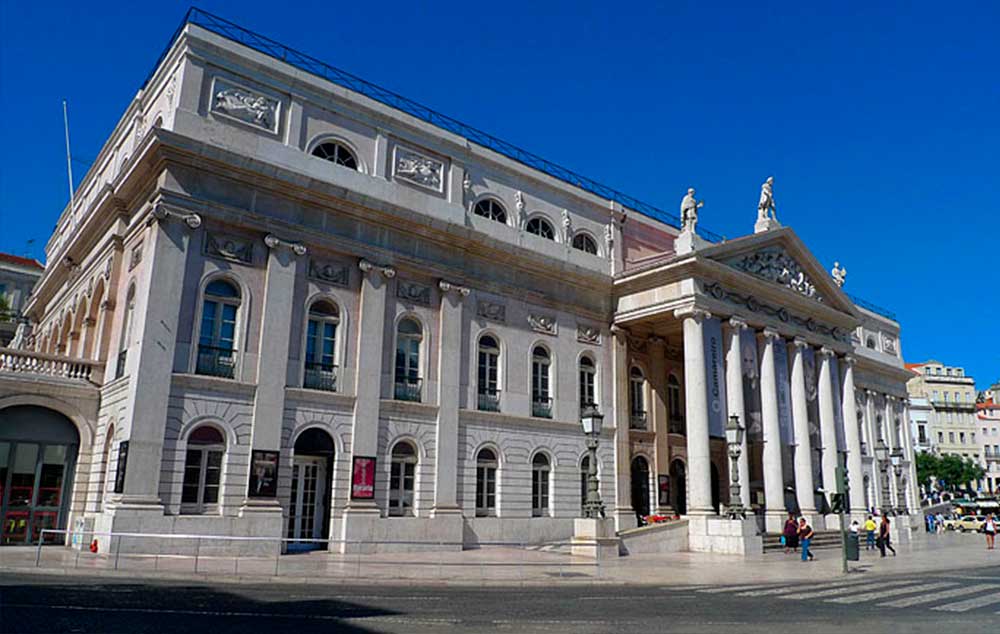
826	352
655	340
619	332
849	359
463	291
693	312
273	242
770	333
800	343
368	267
162	213
738	323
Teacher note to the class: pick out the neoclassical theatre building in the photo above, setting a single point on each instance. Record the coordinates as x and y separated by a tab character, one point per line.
286	302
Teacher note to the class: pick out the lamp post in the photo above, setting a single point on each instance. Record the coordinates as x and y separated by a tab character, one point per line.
734	439
882	456
897	467
592	420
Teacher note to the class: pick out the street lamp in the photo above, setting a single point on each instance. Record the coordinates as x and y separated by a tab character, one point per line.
734	439
897	467
592	420
882	456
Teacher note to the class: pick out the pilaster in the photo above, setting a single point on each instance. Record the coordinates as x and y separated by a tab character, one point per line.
623	513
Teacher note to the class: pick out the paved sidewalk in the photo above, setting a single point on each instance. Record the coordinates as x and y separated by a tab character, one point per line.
510	566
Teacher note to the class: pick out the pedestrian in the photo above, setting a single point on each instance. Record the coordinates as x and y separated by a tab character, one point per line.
884	540
870	527
805	538
929	522
790	534
990	528
940	523
855	528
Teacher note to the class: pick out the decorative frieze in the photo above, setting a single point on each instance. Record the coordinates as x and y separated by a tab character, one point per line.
493	311
752	304
329	272
545	324
888	344
245	105
229	248
419	169
775	265
413	292
588	334
135	257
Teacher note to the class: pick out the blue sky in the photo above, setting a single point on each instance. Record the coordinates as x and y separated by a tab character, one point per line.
880	125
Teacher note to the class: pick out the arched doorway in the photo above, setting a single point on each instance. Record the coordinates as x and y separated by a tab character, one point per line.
310	497
640	488
678	482
38	448
716	492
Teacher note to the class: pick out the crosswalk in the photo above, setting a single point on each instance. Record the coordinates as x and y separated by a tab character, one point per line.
952	594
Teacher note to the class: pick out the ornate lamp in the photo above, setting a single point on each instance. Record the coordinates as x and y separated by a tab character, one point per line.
882	456
592	421
896	458
734	439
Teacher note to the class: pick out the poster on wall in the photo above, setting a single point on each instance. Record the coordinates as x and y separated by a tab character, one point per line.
715	378
754	422
263	474
784	397
663	490
120	469
363	478
838	407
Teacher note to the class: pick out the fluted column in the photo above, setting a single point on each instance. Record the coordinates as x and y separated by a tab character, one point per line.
774	484
735	401
855	477
804	486
827	421
696	401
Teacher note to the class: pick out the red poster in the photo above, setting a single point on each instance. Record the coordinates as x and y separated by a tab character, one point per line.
363	478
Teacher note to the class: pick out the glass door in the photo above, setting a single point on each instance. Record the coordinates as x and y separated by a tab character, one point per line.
32	490
306	508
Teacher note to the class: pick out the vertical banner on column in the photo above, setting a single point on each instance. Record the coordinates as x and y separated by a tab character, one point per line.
784	392
715	375
751	385
838	407
810	374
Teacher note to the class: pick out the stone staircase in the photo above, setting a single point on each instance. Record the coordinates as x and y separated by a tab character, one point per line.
822	540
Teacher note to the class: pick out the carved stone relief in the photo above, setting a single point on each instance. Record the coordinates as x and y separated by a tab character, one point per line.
229	248
889	344
245	105
413	292
588	334
491	310
775	265
330	272
543	323
752	304
135	257
416	168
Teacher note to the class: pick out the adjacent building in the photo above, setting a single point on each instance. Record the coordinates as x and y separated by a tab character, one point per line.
988	420
18	275
287	302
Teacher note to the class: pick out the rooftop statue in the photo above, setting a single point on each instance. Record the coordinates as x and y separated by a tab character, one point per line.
689	211
766	203
839	274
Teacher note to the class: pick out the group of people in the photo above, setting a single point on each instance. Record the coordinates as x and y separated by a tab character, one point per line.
935	523
797	533
877	534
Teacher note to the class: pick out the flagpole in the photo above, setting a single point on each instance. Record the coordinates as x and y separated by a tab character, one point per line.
69	162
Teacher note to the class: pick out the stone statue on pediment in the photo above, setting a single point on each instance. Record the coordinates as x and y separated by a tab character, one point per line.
839	274
689	211
766	203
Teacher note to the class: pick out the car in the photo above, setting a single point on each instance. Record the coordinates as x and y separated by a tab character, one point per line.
965	523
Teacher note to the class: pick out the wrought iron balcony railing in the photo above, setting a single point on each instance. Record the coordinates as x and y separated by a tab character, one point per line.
541	407
320	376
489	401
408	389
215	361
637	420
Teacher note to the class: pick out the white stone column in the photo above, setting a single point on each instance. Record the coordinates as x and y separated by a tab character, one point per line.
855	475
623	513
735	400
449	379
774	483
696	401
827	422
804	485
658	414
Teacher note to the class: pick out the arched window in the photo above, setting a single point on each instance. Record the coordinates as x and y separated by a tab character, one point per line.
126	336
217	338
541	227
202	470
488	374
409	335
540	474
637	399
486	483
583	242
541	396
321	347
336	153
588	383
109	437
674	415
401	479
490	208
584	480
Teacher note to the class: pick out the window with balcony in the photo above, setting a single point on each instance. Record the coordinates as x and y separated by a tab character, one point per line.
541	471
588	383
202	470
541	380
637	399
217	337
402	475
488	374
486	483
409	336
320	372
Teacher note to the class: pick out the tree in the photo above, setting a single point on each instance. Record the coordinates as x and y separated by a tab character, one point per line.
5	311
927	467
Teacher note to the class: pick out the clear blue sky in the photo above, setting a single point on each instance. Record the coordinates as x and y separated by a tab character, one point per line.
881	125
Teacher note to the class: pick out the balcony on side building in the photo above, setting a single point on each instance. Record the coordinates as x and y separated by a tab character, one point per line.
488	401
408	389
28	364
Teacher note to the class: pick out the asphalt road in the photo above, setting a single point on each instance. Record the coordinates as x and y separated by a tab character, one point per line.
951	601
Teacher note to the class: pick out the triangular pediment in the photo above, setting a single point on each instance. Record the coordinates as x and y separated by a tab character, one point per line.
774	264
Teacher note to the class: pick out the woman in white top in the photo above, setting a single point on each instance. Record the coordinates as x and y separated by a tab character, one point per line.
990	528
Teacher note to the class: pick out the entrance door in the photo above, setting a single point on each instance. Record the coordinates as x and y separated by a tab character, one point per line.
307	510
640	488
679	483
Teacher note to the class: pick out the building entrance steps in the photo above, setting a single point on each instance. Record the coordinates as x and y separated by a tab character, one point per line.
821	540
664	537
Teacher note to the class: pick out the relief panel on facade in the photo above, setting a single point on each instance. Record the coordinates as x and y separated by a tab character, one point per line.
329	272
243	104
419	169
545	324
229	248
775	265
413	292
588	334
492	311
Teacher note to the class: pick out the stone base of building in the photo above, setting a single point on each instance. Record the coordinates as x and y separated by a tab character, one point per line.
720	535
595	538
774	521
665	537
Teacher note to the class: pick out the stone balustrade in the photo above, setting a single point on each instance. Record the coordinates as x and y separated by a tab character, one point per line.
38	363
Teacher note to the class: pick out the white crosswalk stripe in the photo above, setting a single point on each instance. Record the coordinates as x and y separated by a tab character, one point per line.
766	592
875	596
939	596
730	589
843	589
970	604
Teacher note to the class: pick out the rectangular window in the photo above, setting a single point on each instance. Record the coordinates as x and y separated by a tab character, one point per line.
539	492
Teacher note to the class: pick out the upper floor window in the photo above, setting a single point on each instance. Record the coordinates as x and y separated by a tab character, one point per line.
540	472
674	415
927	370
202	470
126	338
637	399
409	336
541	227
401	479
321	347
541	396
490	208
488	374
217	339
588	382
870	342
958	371
583	242
486	483
336	153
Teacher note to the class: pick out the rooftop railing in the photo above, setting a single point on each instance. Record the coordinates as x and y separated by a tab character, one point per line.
42	364
872	307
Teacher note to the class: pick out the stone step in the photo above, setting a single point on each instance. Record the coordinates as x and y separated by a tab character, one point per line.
820	540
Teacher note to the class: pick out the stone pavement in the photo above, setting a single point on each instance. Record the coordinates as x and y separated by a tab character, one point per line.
510	566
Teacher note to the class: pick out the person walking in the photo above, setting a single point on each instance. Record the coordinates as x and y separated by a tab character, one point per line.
805	538
870	527
990	528
940	523
884	540
791	534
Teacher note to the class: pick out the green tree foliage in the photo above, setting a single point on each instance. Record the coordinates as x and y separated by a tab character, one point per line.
955	471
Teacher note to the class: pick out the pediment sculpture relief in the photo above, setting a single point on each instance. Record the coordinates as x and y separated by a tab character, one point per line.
775	265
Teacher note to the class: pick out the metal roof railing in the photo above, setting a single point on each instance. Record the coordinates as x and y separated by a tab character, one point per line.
307	63
873	307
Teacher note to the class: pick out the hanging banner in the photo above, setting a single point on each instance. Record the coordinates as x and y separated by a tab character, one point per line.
263	474
754	422
363	478
838	407
122	465
809	371
715	377
784	393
